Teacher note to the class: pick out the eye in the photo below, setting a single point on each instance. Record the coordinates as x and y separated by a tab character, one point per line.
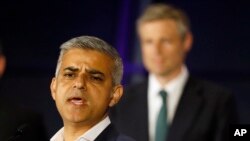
96	78
166	42
69	75
147	42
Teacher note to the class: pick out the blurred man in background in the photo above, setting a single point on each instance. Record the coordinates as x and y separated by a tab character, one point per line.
171	105
16	123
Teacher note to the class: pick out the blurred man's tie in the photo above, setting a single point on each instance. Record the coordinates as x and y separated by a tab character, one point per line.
161	124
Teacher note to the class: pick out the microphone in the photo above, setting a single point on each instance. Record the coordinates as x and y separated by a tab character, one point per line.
19	132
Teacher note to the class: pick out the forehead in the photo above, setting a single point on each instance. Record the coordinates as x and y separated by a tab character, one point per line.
86	58
161	25
160	20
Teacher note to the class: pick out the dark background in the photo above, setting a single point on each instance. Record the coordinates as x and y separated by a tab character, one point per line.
32	31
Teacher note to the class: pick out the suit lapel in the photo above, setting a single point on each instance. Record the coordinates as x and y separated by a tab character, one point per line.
188	108
109	134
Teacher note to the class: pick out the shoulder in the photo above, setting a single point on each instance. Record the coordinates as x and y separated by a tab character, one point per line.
133	94
136	86
135	90
208	88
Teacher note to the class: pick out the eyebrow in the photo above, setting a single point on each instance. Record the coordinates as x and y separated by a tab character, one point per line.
71	68
90	71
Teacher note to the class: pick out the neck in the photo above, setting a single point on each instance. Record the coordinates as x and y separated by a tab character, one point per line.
72	131
166	78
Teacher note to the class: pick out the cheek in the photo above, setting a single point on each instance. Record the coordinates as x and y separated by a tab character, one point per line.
176	55
100	95
180	52
146	52
59	103
61	91
99	103
59	97
171	51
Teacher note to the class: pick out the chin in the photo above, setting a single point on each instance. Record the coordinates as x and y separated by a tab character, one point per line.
75	121
75	118
161	72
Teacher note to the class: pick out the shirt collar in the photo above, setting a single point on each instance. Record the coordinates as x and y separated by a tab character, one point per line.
90	135
58	136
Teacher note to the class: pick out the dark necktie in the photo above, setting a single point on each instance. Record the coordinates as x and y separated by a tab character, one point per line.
161	123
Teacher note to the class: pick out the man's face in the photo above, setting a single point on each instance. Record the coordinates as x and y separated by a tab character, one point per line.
83	89
163	48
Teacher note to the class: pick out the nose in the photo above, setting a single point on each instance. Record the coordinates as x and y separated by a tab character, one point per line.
80	83
157	48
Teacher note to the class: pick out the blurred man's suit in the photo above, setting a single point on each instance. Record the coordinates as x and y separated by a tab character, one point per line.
203	113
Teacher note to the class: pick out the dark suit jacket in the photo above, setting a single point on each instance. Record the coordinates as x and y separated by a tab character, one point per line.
14	118
203	113
111	134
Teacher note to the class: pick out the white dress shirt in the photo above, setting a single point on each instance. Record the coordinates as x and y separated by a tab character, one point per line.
90	135
174	90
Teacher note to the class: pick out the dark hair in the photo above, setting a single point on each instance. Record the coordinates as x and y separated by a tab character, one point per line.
94	43
160	11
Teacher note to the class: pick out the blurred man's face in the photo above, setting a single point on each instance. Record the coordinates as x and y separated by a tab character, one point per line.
83	89
163	48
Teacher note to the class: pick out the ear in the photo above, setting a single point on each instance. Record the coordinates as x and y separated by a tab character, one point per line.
53	88
2	64
188	41
116	96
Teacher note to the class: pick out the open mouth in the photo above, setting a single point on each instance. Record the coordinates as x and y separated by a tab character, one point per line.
77	100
